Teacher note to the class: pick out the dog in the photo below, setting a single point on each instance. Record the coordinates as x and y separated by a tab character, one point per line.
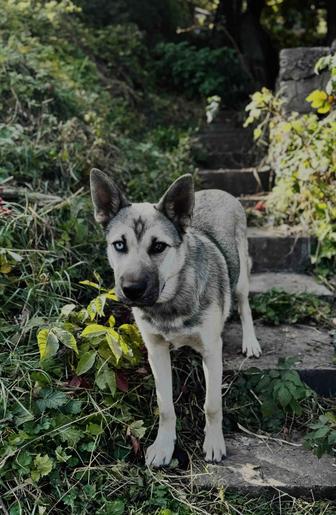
178	264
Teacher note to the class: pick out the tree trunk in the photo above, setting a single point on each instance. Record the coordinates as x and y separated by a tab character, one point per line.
331	21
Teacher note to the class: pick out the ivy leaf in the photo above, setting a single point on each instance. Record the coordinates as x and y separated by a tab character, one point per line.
42	467
86	362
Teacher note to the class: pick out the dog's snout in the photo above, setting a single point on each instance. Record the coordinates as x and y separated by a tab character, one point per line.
134	290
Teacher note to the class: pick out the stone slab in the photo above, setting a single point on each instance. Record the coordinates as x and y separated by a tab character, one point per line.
297	78
238	182
274	250
255	467
312	348
289	282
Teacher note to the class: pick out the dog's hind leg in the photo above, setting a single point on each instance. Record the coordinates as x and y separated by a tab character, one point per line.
214	444
161	451
250	345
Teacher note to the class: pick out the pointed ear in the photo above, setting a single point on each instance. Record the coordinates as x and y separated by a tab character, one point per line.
177	203
106	197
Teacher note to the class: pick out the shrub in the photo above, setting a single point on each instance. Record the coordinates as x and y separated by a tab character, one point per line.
301	151
202	72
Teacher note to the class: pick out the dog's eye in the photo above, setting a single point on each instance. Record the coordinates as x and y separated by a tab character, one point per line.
157	247
120	246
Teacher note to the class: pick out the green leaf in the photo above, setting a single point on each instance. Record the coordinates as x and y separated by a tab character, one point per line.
137	428
51	399
67	309
42	467
106	379
66	338
116	507
47	343
284	396
94	330
61	455
86	362
113	343
71	435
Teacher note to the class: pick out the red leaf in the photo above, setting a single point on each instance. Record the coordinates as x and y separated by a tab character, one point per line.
135	444
78	382
260	206
122	382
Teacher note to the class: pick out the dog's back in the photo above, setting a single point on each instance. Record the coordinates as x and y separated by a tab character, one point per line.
221	217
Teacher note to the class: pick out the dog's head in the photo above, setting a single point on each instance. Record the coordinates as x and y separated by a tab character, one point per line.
145	242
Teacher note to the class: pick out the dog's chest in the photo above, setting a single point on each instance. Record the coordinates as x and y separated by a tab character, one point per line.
180	340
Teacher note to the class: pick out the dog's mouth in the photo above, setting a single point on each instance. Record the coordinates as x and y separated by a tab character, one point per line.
147	300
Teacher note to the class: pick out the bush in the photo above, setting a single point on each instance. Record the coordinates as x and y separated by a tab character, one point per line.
301	151
202	72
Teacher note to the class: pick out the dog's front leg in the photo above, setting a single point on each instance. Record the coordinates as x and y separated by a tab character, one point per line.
214	445
161	451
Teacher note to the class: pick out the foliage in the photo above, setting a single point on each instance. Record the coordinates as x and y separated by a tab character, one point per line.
302	153
294	23
278	307
73	98
93	339
322	437
279	391
202	72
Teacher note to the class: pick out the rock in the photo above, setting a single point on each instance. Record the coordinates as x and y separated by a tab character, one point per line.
297	78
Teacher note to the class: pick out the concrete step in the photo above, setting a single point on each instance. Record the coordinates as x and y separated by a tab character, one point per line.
312	347
243	181
274	249
256	466
289	282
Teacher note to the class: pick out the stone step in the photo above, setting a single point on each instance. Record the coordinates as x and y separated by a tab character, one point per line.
289	282
256	466
233	140
250	201
244	158
312	347
243	181
275	250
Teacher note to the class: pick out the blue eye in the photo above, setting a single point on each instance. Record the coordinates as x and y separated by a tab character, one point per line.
120	246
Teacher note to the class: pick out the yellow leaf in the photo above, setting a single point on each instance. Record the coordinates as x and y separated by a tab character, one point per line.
5	268
317	98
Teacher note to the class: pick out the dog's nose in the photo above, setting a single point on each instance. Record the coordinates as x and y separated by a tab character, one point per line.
134	291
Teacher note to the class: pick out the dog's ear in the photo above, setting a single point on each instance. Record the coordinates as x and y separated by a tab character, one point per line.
106	197
177	203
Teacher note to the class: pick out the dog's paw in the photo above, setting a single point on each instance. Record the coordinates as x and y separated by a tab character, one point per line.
251	347
214	445
160	452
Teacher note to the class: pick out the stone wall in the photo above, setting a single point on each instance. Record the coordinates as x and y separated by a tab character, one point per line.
297	78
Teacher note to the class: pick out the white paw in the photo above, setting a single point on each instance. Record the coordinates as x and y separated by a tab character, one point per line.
214	445
160	452
251	347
